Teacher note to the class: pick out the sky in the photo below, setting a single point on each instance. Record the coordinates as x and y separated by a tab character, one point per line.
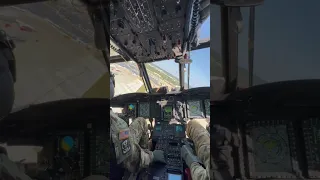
200	67
287	40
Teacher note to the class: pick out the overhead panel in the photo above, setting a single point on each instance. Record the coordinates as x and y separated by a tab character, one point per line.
150	30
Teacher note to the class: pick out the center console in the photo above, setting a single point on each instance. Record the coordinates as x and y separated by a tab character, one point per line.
168	138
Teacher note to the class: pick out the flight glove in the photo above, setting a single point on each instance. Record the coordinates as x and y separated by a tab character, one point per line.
158	156
188	155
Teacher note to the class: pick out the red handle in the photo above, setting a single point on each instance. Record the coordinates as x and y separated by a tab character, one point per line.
187	173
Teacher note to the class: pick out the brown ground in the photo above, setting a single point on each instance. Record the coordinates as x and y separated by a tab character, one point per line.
50	65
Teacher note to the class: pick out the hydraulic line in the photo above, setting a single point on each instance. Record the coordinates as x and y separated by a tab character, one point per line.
194	19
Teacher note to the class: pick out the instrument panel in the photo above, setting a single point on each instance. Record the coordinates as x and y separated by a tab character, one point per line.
280	148
144	109
272	148
275	150
150	30
74	135
168	131
194	103
68	157
100	150
311	131
77	154
279	125
197	109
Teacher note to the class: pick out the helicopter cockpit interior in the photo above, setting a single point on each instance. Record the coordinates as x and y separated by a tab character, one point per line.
274	126
168	113
73	135
155	31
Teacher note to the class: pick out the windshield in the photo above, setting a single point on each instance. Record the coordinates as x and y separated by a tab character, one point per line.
166	73
286	42
126	75
127	78
55	54
163	73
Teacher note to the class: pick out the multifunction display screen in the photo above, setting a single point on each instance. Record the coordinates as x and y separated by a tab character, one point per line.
167	113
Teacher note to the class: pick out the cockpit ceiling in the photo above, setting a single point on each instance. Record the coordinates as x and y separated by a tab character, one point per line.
150	30
115	57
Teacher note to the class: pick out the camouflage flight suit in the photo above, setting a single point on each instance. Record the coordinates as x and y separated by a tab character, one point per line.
131	143
196	131
10	171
